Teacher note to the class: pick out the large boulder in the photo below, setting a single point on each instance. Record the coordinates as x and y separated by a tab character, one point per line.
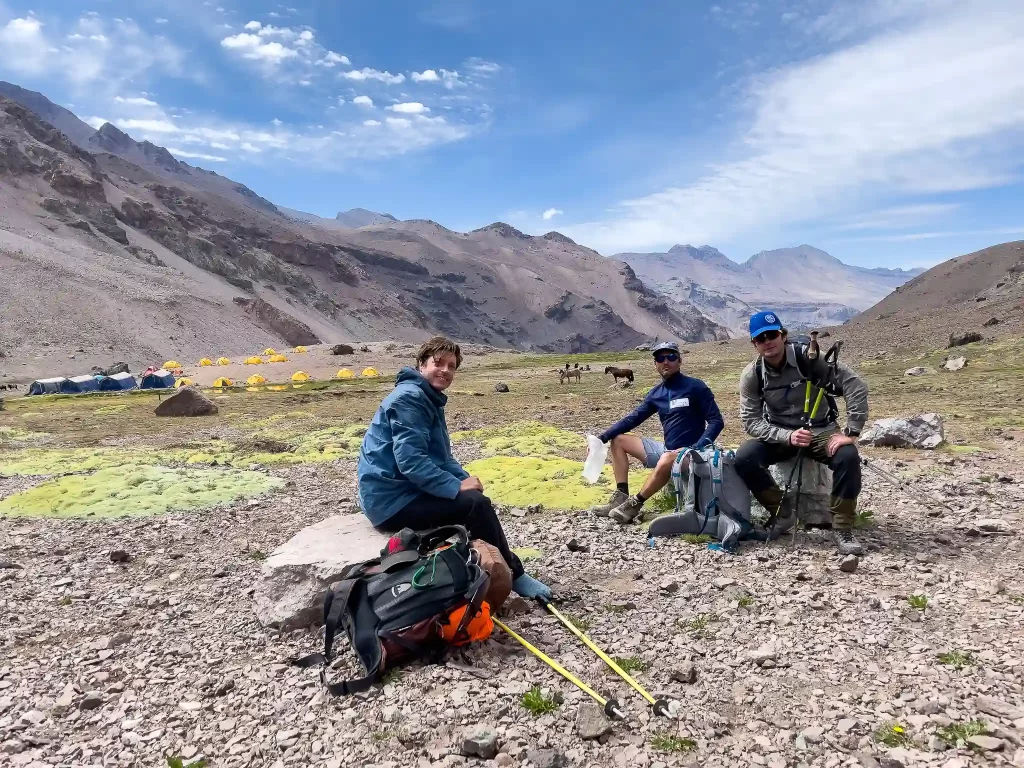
959	339
188	401
923	431
815	489
954	363
342	349
294	579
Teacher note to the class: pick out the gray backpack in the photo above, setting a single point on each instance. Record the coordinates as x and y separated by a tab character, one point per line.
711	498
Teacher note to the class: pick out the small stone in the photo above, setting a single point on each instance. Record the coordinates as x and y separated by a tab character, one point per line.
849	564
669	586
846	725
987	743
997	708
591	722
574	546
501	387
546	758
118	639
480	741
890	762
503	760
228	684
119	556
190	706
91	700
66	698
4	563
685	673
766	653
804	576
723	581
813	735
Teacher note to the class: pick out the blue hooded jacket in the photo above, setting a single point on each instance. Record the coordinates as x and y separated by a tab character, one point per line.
406	451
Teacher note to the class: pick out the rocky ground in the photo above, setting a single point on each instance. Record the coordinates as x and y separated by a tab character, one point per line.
775	655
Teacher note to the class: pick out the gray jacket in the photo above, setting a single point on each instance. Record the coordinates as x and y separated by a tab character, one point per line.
773	408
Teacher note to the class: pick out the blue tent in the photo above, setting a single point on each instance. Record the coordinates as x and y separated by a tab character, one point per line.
117	382
46	386
157	380
77	384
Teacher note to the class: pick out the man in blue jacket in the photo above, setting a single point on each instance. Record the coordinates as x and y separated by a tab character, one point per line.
408	477
689	418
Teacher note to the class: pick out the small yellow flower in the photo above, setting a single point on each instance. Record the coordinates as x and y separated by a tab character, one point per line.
897	729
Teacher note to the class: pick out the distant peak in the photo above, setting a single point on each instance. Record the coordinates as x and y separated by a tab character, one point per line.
363	213
502	229
558	237
702	253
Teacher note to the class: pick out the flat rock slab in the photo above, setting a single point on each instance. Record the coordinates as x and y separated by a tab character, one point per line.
291	587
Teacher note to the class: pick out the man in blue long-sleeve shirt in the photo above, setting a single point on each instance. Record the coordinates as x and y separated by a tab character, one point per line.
689	417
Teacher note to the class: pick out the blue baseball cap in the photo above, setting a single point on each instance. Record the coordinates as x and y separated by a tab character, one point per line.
764	321
665	346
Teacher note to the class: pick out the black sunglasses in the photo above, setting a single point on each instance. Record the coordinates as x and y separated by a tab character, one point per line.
670	357
761	338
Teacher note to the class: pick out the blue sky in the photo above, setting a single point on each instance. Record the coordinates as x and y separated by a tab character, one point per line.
888	132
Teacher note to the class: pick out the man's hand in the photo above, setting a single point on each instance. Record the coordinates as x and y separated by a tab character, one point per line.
837	441
801	438
471	484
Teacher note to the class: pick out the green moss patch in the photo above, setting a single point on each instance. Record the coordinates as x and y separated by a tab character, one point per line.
60	462
135	490
524	438
18	435
557	483
281	447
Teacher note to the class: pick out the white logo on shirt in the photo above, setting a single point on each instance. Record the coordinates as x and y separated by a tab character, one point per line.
679	402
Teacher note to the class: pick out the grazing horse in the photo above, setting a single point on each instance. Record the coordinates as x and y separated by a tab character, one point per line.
565	375
619	373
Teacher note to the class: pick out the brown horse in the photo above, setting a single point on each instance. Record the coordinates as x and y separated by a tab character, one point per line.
619	373
564	375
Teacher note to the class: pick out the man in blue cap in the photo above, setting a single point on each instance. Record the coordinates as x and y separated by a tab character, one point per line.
772	406
689	418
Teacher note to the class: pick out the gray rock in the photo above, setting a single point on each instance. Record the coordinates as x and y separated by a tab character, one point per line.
66	698
997	708
91	700
992	525
670	586
546	758
924	431
188	401
723	581
294	578
846	725
918	370
119	556
685	673
890	762
4	563
501	387
849	564
591	722
987	743
480	741
813	735
954	363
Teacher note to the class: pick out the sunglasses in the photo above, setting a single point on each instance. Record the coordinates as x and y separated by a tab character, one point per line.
669	357
761	338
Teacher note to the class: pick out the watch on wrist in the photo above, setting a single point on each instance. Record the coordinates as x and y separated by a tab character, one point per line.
851	432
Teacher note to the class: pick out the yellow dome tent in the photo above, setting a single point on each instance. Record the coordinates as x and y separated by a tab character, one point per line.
277	359
344	373
205	362
370	372
254	361
182	383
223	361
300	376
269	351
255	379
223	382
170	365
299	349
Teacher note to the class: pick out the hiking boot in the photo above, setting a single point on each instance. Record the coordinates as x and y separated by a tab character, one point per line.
847	542
618	497
627	511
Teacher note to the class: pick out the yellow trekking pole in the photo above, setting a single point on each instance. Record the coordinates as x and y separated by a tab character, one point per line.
660	705
611	706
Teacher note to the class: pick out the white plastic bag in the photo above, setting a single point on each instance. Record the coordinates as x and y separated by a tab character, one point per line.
597	452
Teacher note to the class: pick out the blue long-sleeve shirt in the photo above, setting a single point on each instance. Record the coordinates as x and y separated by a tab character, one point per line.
406	451
687	409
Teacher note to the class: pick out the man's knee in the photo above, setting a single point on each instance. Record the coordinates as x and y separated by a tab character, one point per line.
751	456
847	458
474	499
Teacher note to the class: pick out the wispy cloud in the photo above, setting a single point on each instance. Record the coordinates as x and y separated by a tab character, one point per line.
934	105
367	73
196	155
550	213
936	235
409	108
900	217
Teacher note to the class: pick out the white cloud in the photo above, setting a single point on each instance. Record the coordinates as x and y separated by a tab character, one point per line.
136	101
95	122
899	217
276	122
914	236
398	122
160	21
332	59
371	122
363	101
409	108
366	73
253	26
426	76
482	66
196	155
252	47
149	126
550	213
868	121
247	147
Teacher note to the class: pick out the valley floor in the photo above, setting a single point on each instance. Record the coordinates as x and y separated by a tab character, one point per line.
797	663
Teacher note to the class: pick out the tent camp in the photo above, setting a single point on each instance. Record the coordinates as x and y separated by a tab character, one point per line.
255	379
278	359
77	384
223	361
186	382
160	379
344	373
117	382
300	376
205	362
370	372
223	382
254	361
299	349
269	351
46	386
171	364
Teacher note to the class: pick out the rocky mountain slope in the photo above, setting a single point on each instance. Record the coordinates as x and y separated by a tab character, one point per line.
807	286
185	263
981	292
